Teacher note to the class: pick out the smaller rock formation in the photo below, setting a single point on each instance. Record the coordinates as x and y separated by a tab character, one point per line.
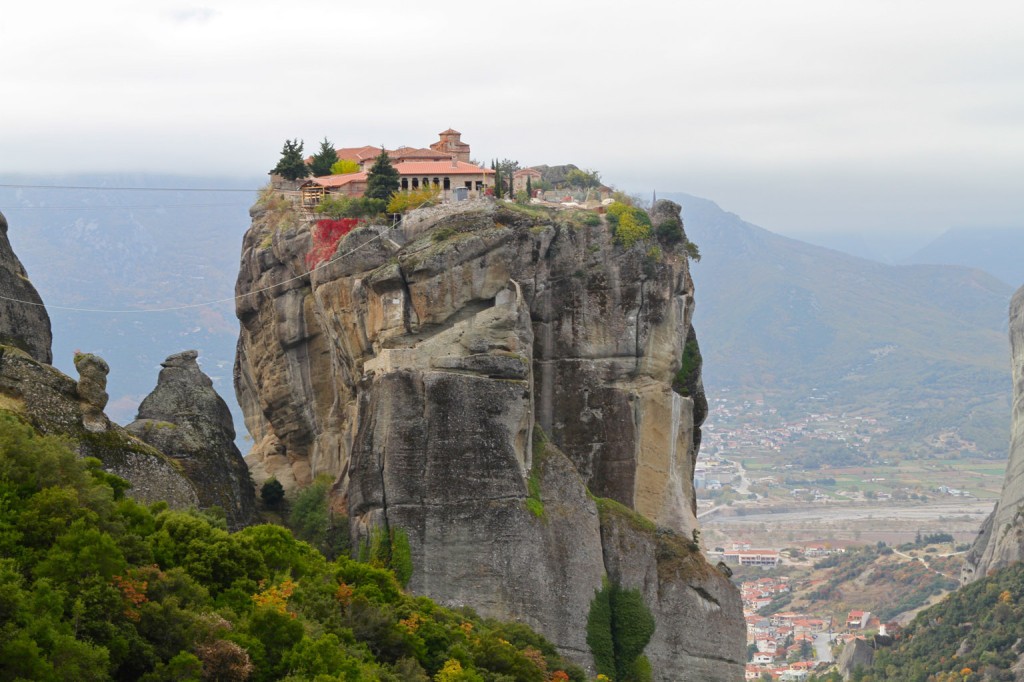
858	653
187	420
92	389
53	403
24	323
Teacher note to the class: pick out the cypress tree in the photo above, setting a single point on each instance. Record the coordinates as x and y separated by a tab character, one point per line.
323	160
382	180
291	166
529	187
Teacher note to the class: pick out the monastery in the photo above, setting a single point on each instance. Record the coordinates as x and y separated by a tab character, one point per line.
445	165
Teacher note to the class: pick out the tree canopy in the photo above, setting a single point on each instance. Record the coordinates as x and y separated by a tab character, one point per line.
324	159
292	165
382	180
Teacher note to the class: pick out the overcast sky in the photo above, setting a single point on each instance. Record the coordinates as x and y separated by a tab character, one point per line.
799	115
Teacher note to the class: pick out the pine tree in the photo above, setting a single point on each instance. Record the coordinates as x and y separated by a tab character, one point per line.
291	166
323	160
382	180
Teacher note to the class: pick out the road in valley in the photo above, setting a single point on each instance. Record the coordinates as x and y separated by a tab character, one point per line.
823	647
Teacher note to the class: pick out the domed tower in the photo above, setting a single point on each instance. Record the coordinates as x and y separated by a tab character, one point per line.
451	143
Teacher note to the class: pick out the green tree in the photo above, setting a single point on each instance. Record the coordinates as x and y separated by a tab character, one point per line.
619	626
506	170
382	180
292	165
583	179
324	159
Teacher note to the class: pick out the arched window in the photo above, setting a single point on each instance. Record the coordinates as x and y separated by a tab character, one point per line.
447	184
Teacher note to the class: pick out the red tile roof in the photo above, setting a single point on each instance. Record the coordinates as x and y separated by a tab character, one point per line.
440	168
414	153
359	153
340	180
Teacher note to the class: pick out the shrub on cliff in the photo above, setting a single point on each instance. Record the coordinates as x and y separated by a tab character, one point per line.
414	198
619	626
326	235
629	223
350	207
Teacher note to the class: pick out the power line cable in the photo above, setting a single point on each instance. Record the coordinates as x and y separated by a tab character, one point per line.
112	207
130	189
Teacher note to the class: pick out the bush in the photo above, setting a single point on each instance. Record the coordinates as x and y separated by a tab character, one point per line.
344	167
619	626
629	224
351	207
669	231
326	235
413	198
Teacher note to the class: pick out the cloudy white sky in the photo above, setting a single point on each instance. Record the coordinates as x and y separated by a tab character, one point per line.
800	115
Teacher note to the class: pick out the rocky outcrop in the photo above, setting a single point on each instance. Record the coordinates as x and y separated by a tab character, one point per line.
187	420
24	323
54	403
1001	539
414	368
858	653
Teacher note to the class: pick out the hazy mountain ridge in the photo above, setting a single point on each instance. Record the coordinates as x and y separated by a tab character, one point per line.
784	317
995	250
133	250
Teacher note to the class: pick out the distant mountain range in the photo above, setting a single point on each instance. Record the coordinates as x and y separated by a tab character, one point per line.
774	315
163	246
995	250
992	249
925	344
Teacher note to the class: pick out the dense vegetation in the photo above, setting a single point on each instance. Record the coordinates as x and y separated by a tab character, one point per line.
619	626
974	634
95	586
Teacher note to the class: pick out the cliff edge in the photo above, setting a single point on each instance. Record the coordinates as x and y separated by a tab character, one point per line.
495	382
24	323
1000	541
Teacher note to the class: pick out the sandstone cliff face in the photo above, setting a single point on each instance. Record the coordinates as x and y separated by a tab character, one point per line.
22	325
187	420
415	368
1001	539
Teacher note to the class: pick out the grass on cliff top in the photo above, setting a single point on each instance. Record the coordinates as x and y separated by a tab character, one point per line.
280	212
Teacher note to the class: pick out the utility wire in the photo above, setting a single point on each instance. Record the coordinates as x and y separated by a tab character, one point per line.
111	207
193	305
130	189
